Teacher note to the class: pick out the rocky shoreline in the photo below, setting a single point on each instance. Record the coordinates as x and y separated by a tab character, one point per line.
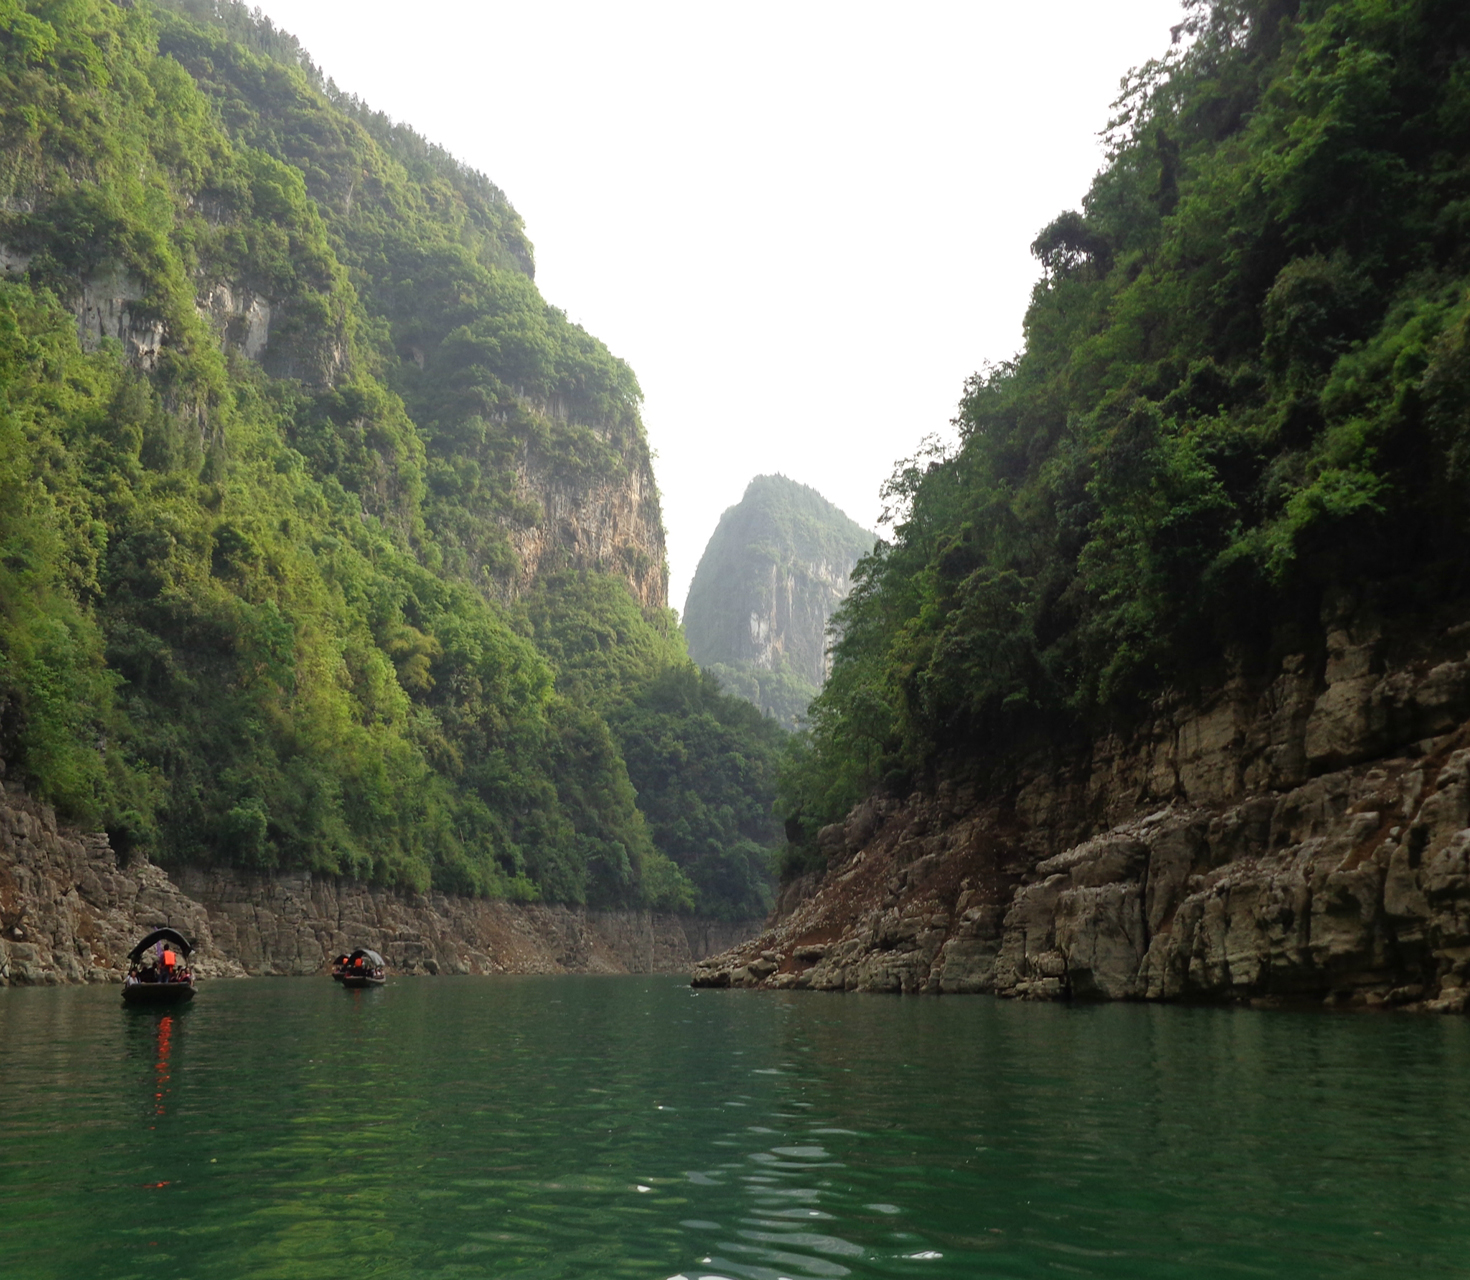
1303	835
69	912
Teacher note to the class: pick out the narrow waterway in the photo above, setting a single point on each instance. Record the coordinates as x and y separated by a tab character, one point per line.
632	1127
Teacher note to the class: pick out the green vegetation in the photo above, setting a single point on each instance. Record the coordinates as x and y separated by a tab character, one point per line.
1244	386
778	560
488	372
252	610
703	763
780	693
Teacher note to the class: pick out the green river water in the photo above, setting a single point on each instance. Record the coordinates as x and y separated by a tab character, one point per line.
632	1127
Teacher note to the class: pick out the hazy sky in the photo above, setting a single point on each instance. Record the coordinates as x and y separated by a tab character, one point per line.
803	224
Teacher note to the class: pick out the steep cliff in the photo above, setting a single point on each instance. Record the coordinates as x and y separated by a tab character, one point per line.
531	428
535	459
289	436
776	568
1302	833
1168	649
608	522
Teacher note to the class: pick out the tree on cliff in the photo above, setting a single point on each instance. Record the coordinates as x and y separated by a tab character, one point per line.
1245	385
703	764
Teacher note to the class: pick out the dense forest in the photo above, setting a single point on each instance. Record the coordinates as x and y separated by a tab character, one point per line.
280	407
773	572
1245	386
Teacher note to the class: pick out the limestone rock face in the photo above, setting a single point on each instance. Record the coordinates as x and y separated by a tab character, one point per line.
610	522
1303	835
70	913
111	306
241	318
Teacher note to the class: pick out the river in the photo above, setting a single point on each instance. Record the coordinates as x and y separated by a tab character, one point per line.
596	1127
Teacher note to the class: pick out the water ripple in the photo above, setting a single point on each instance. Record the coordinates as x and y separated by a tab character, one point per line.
561	1129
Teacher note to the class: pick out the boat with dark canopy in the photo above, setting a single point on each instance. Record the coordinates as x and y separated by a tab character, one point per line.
363	968
158	970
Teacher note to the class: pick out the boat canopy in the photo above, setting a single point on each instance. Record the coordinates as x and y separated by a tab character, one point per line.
160	935
371	956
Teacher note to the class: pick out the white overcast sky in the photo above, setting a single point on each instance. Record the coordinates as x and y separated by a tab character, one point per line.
804	224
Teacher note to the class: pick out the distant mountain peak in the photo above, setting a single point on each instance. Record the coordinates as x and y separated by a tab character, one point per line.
776	568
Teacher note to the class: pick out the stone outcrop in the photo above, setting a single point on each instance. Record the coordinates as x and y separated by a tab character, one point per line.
608	521
112	305
1303	835
69	913
240	318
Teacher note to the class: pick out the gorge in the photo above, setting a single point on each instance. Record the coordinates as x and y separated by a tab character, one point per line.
333	556
334	613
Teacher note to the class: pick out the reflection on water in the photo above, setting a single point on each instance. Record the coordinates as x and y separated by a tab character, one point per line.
630	1127
160	1065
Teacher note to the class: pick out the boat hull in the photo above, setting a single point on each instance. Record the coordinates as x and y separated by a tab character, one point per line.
157	993
356	980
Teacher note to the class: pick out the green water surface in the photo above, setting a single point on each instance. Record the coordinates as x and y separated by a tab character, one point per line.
632	1127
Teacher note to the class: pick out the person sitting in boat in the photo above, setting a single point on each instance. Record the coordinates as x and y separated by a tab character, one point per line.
159	970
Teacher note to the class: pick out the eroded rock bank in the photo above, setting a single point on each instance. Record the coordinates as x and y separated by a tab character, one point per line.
69	913
1304	833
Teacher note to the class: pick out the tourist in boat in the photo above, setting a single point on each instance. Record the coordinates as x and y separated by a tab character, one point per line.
158	969
364	968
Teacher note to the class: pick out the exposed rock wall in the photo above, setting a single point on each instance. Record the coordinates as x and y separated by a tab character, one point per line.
1303	835
242	320
113	304
69	913
610	522
791	603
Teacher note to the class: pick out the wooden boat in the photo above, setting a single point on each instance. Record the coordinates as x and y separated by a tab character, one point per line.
363	968
168	980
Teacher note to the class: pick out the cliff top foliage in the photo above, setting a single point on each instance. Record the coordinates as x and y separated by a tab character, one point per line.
1245	386
255	610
